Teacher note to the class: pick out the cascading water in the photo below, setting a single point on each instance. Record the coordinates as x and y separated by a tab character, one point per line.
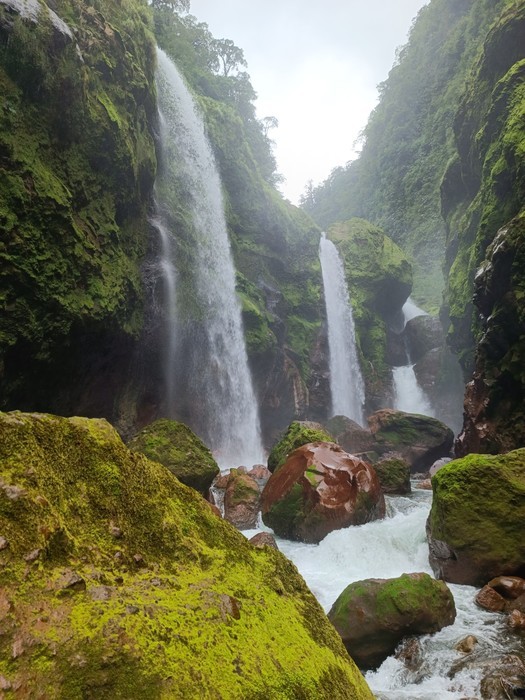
215	364
386	549
408	395
346	381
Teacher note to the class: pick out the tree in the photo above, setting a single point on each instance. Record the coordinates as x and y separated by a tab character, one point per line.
268	123
226	57
173	5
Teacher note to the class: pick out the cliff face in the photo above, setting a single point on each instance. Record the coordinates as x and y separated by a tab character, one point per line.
483	193
77	163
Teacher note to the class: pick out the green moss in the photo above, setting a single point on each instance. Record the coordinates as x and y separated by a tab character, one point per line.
298	433
175	446
200	592
394	475
486	530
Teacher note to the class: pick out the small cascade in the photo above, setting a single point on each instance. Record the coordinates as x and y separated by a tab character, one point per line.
346	381
206	352
408	395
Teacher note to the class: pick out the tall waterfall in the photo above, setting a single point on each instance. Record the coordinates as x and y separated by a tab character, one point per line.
408	395
346	381
210	353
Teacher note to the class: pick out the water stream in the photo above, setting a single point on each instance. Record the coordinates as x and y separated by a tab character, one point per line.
215	365
386	549
346	381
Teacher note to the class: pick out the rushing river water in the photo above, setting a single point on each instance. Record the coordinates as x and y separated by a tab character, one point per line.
386	549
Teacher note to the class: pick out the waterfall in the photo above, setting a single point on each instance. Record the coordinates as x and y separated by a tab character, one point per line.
408	395
346	381
205	346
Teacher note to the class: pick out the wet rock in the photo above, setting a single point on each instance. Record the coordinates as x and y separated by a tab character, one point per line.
502	678
420	440
438	464
263	539
261	474
177	447
374	615
241	500
491	600
298	433
516	620
410	653
473	534
426	484
467	645
509	587
320	488
352	437
423	333
394	475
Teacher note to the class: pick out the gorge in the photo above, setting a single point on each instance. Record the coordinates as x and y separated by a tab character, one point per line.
150	269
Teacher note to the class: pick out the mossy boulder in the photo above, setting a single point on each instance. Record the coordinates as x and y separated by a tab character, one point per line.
394	475
177	447
475	526
420	440
352	437
320	488
119	581
374	615
298	433
241	499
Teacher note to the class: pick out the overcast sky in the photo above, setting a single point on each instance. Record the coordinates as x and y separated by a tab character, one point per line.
315	65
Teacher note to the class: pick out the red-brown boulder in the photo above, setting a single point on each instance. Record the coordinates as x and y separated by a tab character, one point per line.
321	488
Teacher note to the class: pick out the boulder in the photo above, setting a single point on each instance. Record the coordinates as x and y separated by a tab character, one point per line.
394	475
423	333
420	440
374	615
320	488
241	500
475	526
175	446
263	539
298	433
351	436
202	613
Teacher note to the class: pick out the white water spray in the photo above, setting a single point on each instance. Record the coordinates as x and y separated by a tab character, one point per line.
346	381
408	395
220	381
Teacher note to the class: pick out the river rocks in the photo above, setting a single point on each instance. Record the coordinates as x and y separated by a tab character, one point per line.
420	440
175	446
374	615
475	527
318	489
505	594
351	436
298	433
241	500
504	678
263	539
394	475
203	591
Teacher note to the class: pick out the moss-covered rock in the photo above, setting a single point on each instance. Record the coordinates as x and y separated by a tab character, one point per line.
174	602
379	278
78	164
420	440
475	527
374	615
175	446
298	433
394	475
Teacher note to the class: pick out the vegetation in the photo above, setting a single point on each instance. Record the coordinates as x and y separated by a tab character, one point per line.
395	182
298	434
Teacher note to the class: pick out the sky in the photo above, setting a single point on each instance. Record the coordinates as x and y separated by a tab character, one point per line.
315	66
